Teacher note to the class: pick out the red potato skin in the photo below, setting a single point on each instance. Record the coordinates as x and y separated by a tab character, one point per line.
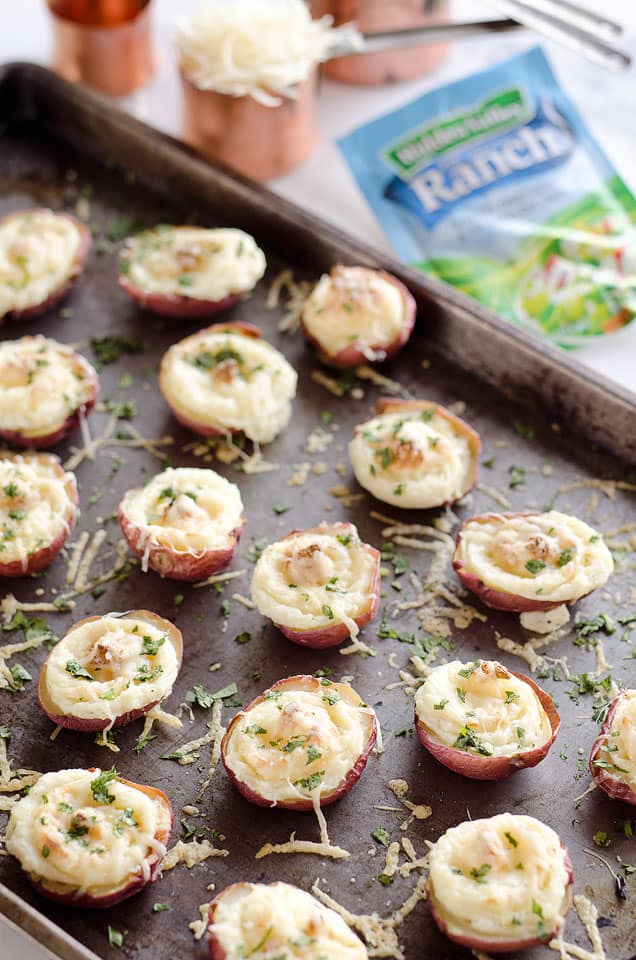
493	768
89	725
167	305
300	682
352	355
247	330
80	260
498	599
217	950
324	637
17	439
137	883
609	781
185	567
45	555
474	942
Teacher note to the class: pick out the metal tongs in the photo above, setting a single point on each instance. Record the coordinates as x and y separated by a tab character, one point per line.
563	21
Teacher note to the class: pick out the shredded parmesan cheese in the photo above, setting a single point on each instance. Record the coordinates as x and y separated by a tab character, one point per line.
302	846
588	915
190	853
76	556
220	578
199	927
365	372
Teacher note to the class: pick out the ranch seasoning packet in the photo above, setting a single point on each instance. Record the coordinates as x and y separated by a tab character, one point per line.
495	185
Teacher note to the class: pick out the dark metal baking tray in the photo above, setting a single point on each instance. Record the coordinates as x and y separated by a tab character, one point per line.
60	144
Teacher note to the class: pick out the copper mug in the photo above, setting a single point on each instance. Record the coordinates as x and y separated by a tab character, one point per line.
375	16
258	141
106	44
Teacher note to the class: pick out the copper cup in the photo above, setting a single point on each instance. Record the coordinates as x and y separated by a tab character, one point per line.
258	141
106	44
374	16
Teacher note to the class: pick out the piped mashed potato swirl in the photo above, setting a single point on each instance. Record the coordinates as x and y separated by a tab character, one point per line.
552	557
257	48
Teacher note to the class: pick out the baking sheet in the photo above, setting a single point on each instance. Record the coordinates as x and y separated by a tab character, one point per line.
532	431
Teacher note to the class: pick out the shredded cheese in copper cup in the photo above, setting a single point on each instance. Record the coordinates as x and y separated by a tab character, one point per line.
248	73
106	44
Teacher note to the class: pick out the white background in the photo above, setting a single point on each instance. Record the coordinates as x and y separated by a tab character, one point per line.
324	185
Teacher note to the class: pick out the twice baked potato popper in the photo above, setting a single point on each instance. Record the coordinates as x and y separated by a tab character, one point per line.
45	390
300	745
318	586
184	524
190	271
358	315
109	670
530	561
89	838
483	721
38	508
41	254
613	756
225	380
500	884
278	920
415	454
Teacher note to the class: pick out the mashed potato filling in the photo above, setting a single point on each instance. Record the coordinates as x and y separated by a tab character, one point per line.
37	504
38	256
414	458
502	878
482	708
547	556
354	305
110	666
299	742
227	381
42	383
187	509
278	920
65	836
205	264
316	578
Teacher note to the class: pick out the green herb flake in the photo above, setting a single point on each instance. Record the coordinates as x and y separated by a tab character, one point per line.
99	786
75	669
479	874
534	566
116	937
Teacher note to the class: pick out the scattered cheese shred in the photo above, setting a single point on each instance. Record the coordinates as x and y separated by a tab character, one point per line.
300	474
220	578
296	293
392	859
588	915
88	558
379	933
495	495
199	927
10	650
217	731
190	853
11	781
302	846
358	646
418	811
365	372
88	451
76	556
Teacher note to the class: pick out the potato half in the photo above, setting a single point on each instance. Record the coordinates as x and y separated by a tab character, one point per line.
500	884
41	255
226	379
483	721
107	671
530	561
318	586
45	388
278	920
415	454
184	524
190	271
300	744
38	508
613	756
355	315
88	838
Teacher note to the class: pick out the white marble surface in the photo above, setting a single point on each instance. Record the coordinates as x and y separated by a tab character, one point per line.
324	185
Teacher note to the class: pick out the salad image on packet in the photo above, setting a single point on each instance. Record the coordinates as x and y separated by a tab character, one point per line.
494	184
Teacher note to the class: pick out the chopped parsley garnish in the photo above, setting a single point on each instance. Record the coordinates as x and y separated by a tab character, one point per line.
469	669
254	729
511	696
243	637
204	699
109	349
385	879
293	744
75	668
99	786
313	753
116	937
441	704
468	740
327	611
45	851
534	566
160	907
479	874
517	477
145	674
601	839
344	538
511	840
11	490
524	430
310	783
521	736
150	645
386	456
565	557
461	693
279	509
381	836
331	697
